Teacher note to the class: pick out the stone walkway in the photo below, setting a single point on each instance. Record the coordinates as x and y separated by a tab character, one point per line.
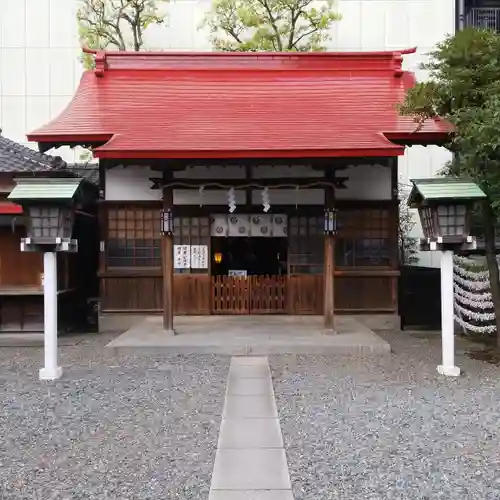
250	463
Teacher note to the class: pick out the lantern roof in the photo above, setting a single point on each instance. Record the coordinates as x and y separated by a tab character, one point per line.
443	188
53	189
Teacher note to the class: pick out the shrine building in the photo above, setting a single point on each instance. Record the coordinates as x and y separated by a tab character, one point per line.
245	183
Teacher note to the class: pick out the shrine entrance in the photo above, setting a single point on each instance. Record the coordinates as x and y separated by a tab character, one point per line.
249	270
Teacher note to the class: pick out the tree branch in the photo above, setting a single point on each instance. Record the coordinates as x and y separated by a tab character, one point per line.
272	22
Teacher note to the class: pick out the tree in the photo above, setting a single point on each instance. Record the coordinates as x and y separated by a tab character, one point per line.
270	25
464	88
119	24
408	251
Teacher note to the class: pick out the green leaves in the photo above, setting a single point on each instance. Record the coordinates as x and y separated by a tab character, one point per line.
270	25
118	24
464	88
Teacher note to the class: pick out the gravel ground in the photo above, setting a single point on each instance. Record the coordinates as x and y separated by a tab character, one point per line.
390	428
117	428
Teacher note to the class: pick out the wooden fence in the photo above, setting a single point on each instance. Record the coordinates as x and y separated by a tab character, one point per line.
250	295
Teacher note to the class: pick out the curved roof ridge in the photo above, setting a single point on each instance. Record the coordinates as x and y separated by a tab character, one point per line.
145	60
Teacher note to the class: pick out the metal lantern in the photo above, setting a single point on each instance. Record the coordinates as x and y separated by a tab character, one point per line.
330	222
445	206
49	222
49	207
167	222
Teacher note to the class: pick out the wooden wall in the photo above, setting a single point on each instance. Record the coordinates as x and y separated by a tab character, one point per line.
366	256
142	293
18	269
21	293
303	294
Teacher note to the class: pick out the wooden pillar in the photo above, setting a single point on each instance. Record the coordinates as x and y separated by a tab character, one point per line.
168	261
394	233
329	270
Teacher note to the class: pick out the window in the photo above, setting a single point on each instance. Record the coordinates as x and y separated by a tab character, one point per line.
191	231
307	244
363	238
451	220
134	237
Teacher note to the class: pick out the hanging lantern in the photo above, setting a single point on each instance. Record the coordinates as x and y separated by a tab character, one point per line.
331	222
217	257
167	222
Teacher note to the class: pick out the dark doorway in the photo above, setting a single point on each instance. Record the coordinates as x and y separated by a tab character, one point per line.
420	297
257	256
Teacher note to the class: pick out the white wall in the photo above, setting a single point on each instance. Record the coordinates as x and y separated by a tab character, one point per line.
40	68
364	182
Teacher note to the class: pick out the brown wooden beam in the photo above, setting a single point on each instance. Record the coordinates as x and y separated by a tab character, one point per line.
102	219
168	262
322	164
288	183
248	189
394	216
329	279
316	163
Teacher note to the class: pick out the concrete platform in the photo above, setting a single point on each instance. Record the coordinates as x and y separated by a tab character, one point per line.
251	335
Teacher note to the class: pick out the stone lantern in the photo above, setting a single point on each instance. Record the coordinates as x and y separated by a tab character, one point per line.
445	206
49	206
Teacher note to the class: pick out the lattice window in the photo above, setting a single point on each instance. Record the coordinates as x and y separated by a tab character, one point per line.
451	220
363	239
191	231
428	223
306	250
134	237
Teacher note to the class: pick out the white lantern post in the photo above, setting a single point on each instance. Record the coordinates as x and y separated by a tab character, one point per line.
445	206
49	211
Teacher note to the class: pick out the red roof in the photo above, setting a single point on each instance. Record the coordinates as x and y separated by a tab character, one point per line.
236	105
8	208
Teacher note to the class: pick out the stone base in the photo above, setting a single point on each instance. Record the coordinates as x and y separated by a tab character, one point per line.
380	321
251	336
329	332
449	371
51	373
116	322
119	322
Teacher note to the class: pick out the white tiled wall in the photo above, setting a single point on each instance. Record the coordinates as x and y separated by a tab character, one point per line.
40	67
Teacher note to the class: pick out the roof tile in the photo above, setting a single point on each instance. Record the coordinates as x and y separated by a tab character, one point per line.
165	105
16	158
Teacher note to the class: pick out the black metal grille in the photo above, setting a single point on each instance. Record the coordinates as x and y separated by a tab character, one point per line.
483	18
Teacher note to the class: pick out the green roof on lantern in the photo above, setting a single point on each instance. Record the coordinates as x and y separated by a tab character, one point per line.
443	188
45	189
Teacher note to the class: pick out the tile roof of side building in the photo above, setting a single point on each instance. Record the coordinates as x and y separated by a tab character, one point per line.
87	171
18	159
